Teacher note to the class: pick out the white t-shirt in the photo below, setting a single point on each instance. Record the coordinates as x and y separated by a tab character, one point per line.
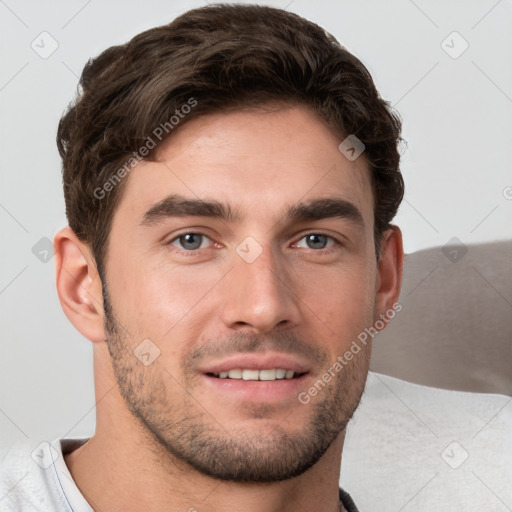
38	480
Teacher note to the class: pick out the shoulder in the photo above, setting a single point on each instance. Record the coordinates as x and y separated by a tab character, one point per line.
22	479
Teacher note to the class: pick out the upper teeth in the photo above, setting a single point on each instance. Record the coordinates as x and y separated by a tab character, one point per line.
273	374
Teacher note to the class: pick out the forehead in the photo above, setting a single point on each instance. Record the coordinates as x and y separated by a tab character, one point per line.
254	161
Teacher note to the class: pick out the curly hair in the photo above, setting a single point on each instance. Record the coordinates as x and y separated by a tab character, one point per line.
224	58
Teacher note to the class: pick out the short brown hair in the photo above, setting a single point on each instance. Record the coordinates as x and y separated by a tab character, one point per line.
224	57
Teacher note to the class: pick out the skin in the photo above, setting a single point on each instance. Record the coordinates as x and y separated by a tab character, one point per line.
210	302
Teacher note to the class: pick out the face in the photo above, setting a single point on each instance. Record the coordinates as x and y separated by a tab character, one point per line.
245	256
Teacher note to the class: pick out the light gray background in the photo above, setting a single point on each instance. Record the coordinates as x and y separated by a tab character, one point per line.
457	116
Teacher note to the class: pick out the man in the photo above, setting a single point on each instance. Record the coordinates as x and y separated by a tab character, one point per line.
229	180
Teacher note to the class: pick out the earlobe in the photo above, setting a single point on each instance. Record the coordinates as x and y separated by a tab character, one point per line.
79	285
390	269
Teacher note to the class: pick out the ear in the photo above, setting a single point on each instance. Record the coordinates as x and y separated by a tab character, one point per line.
390	269
79	285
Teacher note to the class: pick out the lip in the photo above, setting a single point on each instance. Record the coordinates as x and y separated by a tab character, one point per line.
265	361
255	391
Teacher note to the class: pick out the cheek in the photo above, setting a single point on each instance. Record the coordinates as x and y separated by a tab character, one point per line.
341	303
158	300
346	289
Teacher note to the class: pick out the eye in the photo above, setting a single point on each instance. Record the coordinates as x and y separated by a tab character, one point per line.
190	241
317	241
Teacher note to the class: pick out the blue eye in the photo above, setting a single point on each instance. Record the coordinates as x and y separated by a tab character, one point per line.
190	241
317	241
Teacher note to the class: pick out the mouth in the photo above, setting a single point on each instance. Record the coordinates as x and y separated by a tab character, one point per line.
268	378
269	374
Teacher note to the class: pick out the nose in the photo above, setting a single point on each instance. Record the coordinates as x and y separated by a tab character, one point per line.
260	294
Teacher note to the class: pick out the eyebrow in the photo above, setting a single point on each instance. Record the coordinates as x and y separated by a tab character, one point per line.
176	205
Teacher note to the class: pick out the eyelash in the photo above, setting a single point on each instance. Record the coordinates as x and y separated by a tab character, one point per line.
337	244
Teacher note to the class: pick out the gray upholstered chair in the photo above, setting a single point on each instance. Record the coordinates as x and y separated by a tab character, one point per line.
455	329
